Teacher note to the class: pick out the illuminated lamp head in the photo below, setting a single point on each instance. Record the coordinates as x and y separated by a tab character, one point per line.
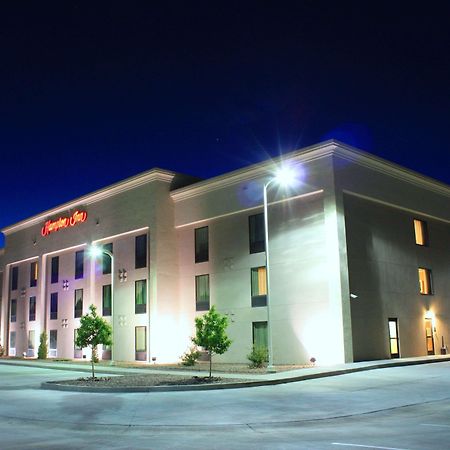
95	251
285	176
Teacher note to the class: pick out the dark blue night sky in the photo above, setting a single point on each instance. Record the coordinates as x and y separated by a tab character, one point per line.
94	92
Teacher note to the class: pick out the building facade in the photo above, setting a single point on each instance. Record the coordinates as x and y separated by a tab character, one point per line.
359	263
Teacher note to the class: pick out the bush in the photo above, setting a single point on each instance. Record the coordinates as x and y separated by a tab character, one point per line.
2	352
42	350
190	357
258	357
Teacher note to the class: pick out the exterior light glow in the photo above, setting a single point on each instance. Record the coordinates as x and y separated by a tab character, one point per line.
284	176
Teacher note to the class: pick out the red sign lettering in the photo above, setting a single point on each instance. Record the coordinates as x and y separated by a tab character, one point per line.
63	222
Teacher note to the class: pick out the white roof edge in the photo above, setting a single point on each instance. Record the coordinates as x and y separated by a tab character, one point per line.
154	174
311	153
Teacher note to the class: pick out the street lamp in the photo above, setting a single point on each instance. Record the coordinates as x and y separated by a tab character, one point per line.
284	176
95	252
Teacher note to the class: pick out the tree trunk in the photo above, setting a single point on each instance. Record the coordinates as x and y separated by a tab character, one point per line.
210	363
92	362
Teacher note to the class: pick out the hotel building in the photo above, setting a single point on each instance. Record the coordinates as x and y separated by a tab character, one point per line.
359	263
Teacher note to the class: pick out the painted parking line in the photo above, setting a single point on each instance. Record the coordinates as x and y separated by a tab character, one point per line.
367	446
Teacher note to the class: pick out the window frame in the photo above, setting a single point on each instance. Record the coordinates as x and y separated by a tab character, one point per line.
33	273
13	317
140	251
106	311
32	311
53	301
258	300
429	280
140	308
256	246
79	265
106	259
54	272
200	304
14	278
422	239
201	249
77	312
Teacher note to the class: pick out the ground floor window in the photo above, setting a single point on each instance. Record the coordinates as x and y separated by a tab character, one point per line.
12	343
53	340
31	343
260	335
393	338
141	343
140	296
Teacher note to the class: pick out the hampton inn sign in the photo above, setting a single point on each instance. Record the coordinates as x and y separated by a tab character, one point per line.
63	222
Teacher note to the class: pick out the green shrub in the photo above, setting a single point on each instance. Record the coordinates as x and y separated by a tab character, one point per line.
258	357
43	349
2	352
190	357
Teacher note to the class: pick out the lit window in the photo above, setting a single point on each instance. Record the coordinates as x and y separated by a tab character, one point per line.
140	296
256	233
31	340
12	339
140	343
424	281
202	293
201	245
259	286
421	232
33	274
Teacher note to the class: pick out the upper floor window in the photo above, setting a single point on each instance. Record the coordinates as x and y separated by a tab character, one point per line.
140	251
106	259
256	233
259	286
14	278
53	306
78	303
202	292
33	273
140	296
79	264
13	310
421	232
425	283
55	269
201	245
32	309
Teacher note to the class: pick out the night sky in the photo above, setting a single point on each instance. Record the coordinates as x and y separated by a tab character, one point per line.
94	92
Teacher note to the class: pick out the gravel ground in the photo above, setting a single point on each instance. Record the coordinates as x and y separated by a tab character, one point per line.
145	380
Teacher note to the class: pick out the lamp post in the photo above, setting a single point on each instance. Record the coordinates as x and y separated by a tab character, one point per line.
283	176
96	252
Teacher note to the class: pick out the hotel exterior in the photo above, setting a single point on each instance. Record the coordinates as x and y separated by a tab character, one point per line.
359	263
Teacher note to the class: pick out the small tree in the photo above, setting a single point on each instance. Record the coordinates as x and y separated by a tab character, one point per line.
94	330
42	349
210	334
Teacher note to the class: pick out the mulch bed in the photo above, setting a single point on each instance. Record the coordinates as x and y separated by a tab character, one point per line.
145	381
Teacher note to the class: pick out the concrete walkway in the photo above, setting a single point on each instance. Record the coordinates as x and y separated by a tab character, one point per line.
247	379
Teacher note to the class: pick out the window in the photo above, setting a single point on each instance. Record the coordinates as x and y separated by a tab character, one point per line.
77	351
33	273
31	339
32	309
140	296
256	233
78	303
14	278
425	286
53	306
201	245
79	264
140	251
259	286
106	259
106	299
260	335
393	338
55	269
53	340
202	293
421	232
12	339
13	310
140	343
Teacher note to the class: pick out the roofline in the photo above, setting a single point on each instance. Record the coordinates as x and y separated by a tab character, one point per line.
155	174
307	154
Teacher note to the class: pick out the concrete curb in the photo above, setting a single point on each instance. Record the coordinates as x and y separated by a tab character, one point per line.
236	385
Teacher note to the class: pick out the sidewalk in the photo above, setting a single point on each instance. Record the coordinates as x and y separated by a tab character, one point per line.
247	379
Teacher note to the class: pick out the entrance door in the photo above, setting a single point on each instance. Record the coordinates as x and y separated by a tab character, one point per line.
429	336
393	338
